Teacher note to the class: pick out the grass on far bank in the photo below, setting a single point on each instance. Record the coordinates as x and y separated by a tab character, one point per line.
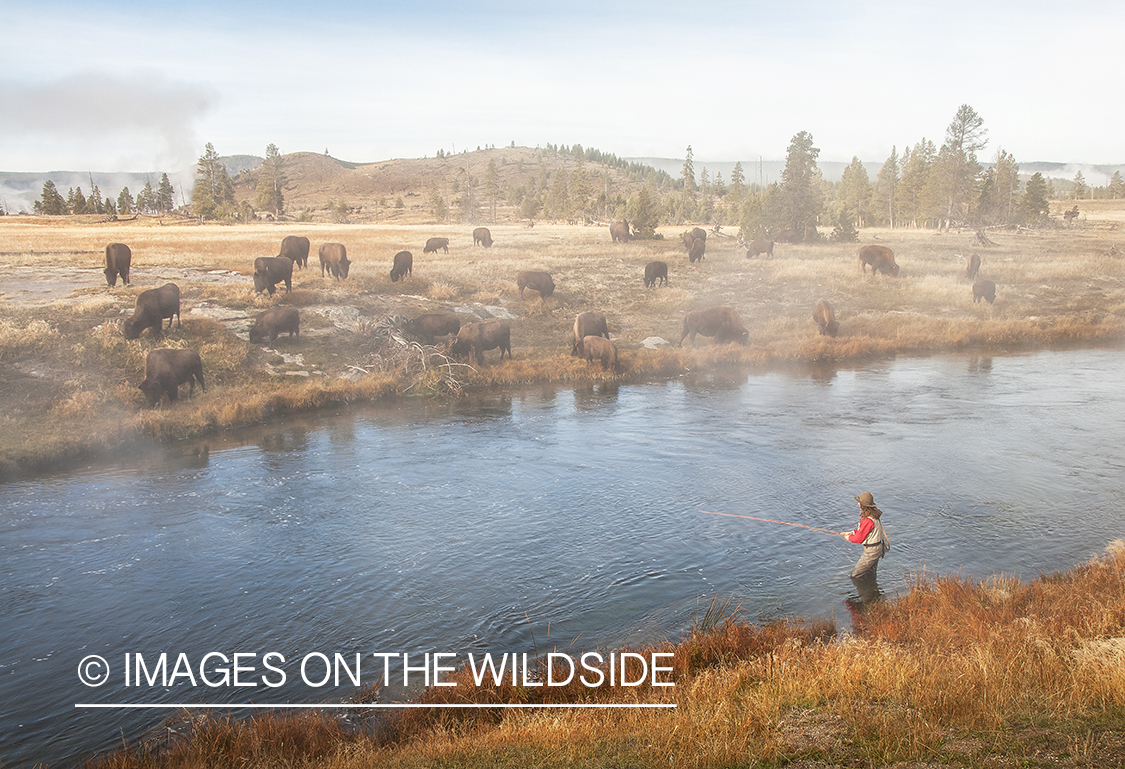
954	672
68	377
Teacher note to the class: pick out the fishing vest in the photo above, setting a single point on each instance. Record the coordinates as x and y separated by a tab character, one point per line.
877	536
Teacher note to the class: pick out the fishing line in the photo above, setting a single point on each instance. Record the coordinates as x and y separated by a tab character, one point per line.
771	520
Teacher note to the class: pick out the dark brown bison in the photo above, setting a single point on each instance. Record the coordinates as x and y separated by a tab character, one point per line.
695	253
759	246
274	321
984	289
655	271
881	259
599	348
476	338
825	318
619	231
403	266
588	324
296	247
433	244
271	270
722	323
152	307
166	369
483	236
334	259
689	237
540	281
118	257
787	236
974	267
432	324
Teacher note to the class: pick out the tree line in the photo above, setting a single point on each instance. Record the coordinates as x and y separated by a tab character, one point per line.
148	201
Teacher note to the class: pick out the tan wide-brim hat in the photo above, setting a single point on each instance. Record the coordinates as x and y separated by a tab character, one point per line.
866	499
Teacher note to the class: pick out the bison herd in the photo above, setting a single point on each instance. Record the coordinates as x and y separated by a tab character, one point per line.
166	369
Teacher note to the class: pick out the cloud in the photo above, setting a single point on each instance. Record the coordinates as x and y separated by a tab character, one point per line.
97	108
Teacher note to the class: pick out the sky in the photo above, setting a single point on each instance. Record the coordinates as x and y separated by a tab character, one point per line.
132	86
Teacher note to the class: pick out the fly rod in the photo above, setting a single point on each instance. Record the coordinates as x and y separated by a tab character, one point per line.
771	520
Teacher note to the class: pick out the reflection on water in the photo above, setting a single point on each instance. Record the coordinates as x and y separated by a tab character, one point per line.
547	518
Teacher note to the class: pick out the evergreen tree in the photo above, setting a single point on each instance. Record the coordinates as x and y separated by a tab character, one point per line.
492	188
437	205
125	201
579	194
916	196
737	183
1036	198
844	231
643	211
164	200
883	201
1116	186
94	204
957	171
271	178
530	206
801	195
558	201
999	188
854	193
687	198
720	187
75	201
50	202
145	201
1080	188
213	195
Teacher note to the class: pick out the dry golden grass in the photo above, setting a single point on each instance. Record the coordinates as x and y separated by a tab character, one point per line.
953	672
1053	286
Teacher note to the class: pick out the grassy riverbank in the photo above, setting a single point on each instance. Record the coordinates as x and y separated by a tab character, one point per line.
68	378
953	673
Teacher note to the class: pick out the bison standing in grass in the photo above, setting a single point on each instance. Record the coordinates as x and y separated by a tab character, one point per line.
432	324
619	231
601	349
588	324
984	289
296	247
482	236
695	253
825	317
334	259
433	244
476	338
153	306
118	257
881	259
655	271
535	279
759	246
722	323
274	321
973	268
166	369
403	266
271	270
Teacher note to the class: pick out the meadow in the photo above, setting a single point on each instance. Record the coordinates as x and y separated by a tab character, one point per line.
68	378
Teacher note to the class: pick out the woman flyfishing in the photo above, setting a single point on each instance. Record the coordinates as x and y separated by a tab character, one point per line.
870	534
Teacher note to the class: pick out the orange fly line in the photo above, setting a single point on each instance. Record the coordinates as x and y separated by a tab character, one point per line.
771	520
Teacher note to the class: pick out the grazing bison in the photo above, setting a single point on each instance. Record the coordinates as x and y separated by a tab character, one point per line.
166	369
722	323
271	270
588	324
655	271
476	338
296	247
759	246
698	246
540	281
118	257
274	321
619	231
433	244
403	266
788	236
152	307
984	289
974	267
334	258
689	237
880	258
825	318
432	324
598	348
483	236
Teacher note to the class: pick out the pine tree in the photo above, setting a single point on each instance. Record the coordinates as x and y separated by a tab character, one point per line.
1036	198
492	188
271	178
884	200
957	171
737	183
94	204
1080	188
50	202
801	196
145	201
579	194
643	211
854	192
213	195
1116	186
437	205
557	199
125	201
164	200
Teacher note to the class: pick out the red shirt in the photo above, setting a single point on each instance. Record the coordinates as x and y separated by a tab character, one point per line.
861	532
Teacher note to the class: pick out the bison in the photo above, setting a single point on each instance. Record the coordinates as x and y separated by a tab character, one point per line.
403	266
476	338
483	236
152	307
689	237
825	318
166	369
271	270
433	244
881	259
619	231
974	267
984	289
722	323
535	279
334	259
118	257
759	246
655	271
598	348
432	324
588	324
274	321
695	253
296	247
